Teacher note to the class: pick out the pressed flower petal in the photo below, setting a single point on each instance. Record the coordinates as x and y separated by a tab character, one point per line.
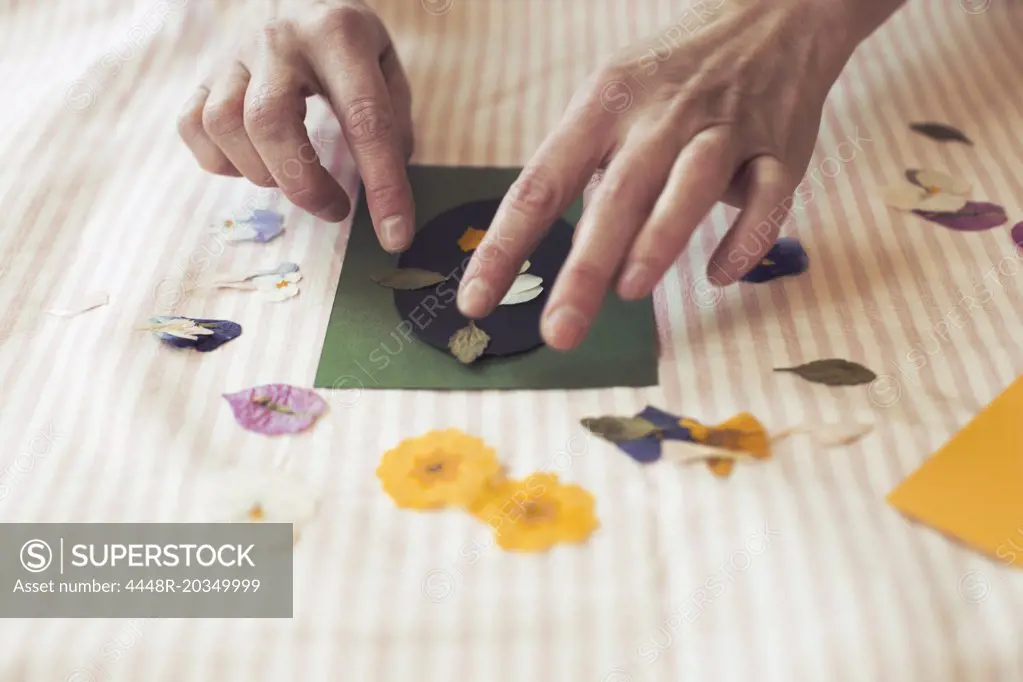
471	239
525	283
259	226
537	513
243	495
521	297
786	258
935	181
81	305
942	203
439	469
903	196
648	450
976	216
202	335
1017	234
276	409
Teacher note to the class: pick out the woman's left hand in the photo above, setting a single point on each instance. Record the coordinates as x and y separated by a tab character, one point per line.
729	112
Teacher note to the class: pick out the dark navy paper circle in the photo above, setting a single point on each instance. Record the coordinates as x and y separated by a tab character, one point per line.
433	313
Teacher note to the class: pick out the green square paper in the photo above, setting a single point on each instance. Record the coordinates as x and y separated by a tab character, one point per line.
365	349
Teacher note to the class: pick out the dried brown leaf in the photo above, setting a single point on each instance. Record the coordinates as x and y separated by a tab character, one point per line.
408	279
468	343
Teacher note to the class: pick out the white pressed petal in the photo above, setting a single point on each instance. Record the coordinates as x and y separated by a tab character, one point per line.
842	433
233	495
277	295
942	203
521	297
943	182
238	233
81	305
525	266
684	452
524	283
903	196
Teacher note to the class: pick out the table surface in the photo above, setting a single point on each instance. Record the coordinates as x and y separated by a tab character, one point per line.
795	570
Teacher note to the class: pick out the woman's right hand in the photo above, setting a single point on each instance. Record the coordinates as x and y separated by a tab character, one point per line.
248	117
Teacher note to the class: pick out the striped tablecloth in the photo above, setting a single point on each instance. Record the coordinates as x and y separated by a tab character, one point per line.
796	570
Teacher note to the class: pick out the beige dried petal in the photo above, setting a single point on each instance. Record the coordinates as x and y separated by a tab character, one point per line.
842	433
524	283
81	305
942	203
521	297
684	452
936	181
903	196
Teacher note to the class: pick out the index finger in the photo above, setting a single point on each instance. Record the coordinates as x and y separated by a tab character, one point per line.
351	75
548	185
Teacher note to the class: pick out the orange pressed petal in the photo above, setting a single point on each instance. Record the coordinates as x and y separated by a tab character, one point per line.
721	467
471	239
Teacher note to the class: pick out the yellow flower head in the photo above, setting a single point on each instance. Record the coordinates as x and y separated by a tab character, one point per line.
438	469
534	514
471	239
742	433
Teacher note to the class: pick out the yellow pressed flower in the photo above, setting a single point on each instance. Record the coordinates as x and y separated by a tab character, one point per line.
742	433
471	239
534	514
438	469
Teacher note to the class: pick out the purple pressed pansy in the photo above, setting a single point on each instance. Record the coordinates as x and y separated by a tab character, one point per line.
1017	235
276	408
975	216
259	226
186	332
648	450
786	257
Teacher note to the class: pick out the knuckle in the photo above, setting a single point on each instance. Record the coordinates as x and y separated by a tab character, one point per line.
263	117
535	193
277	35
387	195
588	276
190	124
346	21
225	117
309	197
218	166
368	121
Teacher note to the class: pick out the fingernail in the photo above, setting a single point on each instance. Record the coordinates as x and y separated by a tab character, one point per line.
474	299
394	231
634	282
565	327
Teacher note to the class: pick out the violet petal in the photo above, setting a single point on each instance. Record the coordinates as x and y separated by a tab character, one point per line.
648	450
787	257
275	409
975	216
1017	234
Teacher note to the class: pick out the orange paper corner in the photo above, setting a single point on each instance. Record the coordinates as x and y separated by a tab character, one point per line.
972	488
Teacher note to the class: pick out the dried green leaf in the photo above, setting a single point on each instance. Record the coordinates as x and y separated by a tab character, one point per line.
408	279
619	429
940	132
468	343
832	372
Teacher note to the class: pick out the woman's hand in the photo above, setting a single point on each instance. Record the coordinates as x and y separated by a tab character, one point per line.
248	118
723	106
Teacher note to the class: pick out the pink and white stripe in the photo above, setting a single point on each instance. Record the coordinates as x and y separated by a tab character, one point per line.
97	194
